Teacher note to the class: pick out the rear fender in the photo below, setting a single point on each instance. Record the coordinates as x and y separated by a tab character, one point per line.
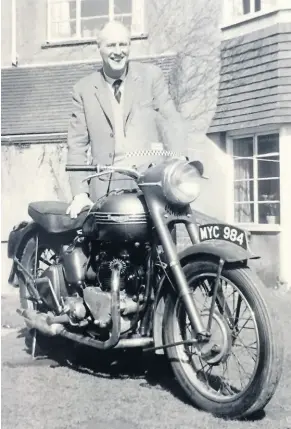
17	240
213	250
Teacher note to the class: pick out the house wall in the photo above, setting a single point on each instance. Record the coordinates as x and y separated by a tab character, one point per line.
31	37
267	246
6	33
254	97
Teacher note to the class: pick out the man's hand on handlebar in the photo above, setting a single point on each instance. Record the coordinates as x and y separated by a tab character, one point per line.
79	202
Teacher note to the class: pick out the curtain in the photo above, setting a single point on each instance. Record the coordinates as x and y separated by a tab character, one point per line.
243	179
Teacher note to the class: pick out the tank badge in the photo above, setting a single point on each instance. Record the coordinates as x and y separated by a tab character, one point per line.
119	218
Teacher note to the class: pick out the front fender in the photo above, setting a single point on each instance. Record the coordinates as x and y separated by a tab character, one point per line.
219	249
225	250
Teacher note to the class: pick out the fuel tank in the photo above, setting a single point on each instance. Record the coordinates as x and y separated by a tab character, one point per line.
120	218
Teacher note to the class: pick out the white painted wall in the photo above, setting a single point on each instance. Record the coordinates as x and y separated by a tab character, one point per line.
285	191
28	174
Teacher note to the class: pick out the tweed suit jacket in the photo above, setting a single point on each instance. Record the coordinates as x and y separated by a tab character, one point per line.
149	115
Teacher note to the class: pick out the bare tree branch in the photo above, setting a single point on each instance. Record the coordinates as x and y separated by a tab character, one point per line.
191	30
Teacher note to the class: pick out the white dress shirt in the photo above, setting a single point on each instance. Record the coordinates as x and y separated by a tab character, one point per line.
117	109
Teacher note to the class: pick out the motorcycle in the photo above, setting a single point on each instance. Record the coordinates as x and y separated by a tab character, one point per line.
113	279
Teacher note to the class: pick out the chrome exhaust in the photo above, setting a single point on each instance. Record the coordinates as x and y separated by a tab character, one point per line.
38	321
124	343
42	323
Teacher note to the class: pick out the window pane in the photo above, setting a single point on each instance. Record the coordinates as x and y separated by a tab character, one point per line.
269	167
269	212
243	147
243	191
94	8
244	213
122	6
268	144
126	20
243	169
91	27
257	5
246	6
63	30
268	190
62	11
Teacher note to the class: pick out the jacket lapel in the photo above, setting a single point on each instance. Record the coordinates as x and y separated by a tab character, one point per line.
131	85
130	90
103	96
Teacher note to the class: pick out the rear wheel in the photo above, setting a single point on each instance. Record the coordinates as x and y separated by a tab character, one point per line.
242	377
36	258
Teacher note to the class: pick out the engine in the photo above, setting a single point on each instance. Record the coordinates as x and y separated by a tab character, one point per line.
130	261
82	283
132	267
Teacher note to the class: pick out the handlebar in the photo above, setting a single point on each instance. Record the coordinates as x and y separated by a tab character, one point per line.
100	170
83	167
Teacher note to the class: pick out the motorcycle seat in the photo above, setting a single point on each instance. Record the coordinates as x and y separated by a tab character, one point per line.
51	216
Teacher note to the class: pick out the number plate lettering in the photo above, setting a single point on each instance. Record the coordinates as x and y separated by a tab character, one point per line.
223	232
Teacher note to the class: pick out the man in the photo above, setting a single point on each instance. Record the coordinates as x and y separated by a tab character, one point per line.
121	108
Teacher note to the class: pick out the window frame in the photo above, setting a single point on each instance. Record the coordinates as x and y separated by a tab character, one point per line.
255	225
230	19
138	17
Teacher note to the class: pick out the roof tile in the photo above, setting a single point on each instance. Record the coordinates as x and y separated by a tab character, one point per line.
37	100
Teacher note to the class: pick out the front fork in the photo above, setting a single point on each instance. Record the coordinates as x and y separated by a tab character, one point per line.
167	238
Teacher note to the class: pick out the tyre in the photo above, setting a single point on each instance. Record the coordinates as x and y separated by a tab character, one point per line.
35	264
47	254
242	376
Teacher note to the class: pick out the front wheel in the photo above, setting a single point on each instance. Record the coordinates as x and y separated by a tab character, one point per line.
242	377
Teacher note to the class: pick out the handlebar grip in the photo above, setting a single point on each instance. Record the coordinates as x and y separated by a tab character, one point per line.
81	167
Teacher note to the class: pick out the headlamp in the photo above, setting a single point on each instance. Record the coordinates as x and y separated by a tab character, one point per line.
181	182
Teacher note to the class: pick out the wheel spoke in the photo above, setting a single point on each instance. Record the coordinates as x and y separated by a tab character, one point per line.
244	326
254	358
237	311
240	369
224	383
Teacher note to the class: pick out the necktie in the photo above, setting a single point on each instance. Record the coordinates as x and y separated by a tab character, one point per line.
116	87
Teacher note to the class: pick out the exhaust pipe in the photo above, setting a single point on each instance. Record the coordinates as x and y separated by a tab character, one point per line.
122	344
126	343
42	323
38	321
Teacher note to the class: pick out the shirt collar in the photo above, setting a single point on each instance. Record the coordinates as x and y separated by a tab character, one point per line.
111	81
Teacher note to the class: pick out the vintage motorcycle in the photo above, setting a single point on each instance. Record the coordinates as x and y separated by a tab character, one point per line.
113	278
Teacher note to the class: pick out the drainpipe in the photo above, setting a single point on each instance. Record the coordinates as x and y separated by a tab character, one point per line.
285	185
14	59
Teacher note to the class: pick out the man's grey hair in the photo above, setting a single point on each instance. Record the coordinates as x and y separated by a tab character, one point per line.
108	26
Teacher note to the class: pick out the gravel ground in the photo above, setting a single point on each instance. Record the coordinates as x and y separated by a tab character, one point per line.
108	391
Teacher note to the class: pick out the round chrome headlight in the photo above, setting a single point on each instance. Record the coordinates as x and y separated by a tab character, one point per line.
181	182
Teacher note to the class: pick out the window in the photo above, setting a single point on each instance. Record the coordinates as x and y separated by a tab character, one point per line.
82	19
250	6
235	9
256	179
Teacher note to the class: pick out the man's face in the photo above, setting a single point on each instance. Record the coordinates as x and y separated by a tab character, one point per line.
114	49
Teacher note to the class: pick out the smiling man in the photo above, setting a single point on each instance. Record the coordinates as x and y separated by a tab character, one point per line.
123	107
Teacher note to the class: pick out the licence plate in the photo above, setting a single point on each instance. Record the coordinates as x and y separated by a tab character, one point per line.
216	231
